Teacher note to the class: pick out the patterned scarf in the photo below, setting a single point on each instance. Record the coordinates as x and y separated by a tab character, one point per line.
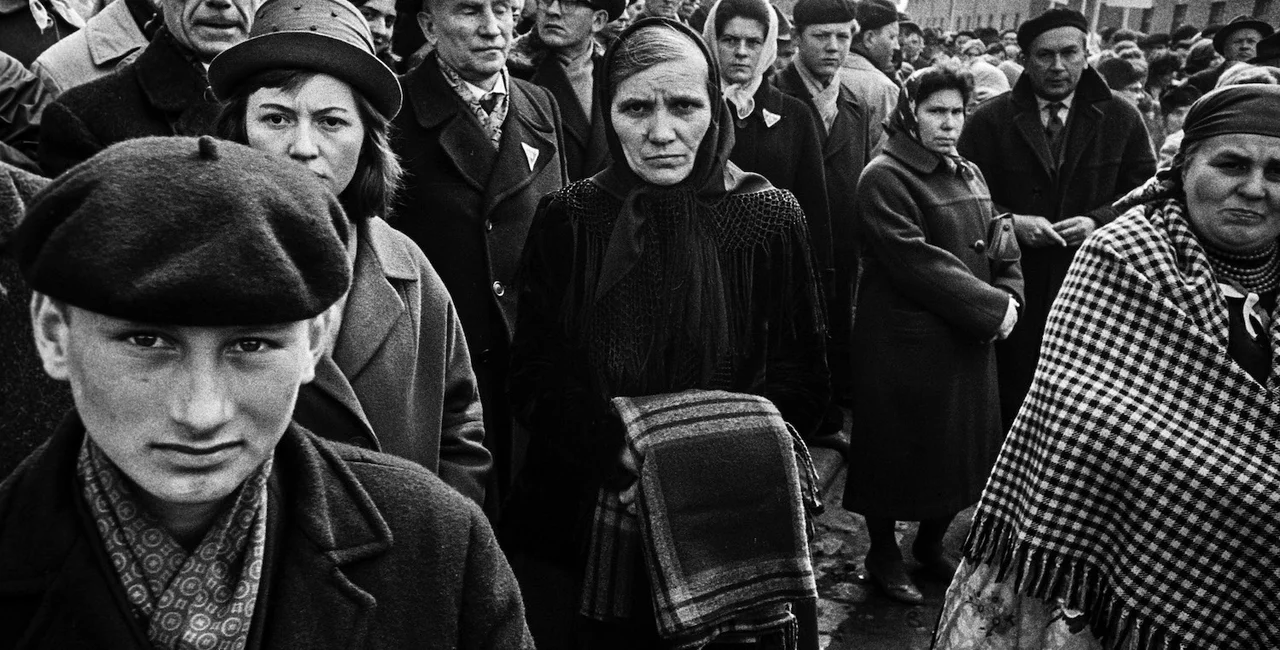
491	123
200	600
1140	482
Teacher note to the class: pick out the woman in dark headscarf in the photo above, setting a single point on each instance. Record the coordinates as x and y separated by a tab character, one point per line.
937	291
1136	502
671	270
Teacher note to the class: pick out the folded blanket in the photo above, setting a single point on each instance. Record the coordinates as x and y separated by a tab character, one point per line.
722	522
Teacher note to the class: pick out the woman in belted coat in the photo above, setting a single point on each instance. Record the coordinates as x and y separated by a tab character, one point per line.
936	293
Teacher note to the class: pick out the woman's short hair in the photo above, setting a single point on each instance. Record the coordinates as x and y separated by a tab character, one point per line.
937	78
756	10
650	46
377	178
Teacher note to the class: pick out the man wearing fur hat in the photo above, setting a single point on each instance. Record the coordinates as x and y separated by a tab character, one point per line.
864	71
563	55
185	289
1056	152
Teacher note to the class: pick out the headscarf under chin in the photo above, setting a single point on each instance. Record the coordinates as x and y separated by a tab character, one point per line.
743	95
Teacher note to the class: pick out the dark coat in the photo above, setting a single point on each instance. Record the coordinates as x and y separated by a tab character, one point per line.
469	208
160	93
924	367
1107	154
399	379
789	154
586	151
364	550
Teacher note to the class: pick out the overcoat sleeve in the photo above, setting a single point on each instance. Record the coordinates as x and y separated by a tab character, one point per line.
492	613
893	230
464	461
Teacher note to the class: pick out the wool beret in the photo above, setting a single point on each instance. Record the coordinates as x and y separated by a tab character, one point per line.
182	231
1238	23
821	12
874	14
1051	19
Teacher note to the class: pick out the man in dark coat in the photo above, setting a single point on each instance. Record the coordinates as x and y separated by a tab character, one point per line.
1237	41
165	91
480	149
177	501
562	55
823	31
1056	152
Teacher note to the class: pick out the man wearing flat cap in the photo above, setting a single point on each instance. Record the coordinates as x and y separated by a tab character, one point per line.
868	70
1056	152
563	55
185	290
1236	41
164	91
480	148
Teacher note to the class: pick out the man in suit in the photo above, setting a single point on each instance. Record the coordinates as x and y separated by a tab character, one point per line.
823	31
165	91
1056	152
480	149
562	55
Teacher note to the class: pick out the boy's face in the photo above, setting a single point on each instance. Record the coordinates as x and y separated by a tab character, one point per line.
187	413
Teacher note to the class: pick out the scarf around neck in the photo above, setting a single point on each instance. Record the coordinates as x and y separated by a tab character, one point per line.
743	95
186	601
824	98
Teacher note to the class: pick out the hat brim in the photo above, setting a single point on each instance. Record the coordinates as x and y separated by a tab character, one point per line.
1220	37
308	51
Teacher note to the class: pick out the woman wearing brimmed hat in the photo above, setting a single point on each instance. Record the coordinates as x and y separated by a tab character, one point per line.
398	377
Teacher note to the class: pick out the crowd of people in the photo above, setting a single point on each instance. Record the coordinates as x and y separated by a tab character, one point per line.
489	324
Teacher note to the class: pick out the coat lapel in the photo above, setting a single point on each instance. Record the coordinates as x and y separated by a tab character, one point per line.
437	106
176	87
1032	131
550	75
524	135
374	306
840	140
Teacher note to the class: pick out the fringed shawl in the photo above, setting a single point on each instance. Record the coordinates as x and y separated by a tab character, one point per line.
1141	480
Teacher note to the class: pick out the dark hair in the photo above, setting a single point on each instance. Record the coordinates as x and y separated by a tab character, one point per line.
1179	97
757	10
1165	63
378	171
937	78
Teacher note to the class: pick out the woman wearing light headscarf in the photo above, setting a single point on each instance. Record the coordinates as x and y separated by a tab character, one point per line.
1136	501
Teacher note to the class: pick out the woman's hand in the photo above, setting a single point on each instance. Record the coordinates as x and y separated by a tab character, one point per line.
1010	319
630	463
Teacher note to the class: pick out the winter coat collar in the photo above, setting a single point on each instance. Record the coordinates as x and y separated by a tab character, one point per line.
113	34
169	77
1091	90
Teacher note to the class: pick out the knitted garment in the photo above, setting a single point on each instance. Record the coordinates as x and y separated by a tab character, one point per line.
197	601
1140	483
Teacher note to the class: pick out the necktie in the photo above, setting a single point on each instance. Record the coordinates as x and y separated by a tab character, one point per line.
1053	132
489	102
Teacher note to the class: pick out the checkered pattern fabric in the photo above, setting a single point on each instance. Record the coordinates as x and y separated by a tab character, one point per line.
1141	480
202	600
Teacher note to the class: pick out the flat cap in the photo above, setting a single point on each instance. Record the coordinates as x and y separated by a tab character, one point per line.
1238	23
821	12
1051	19
183	231
874	14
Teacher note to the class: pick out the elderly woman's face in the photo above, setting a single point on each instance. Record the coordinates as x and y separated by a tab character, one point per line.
317	124
661	115
1233	191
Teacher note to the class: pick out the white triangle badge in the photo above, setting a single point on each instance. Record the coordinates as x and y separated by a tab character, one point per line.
531	153
770	118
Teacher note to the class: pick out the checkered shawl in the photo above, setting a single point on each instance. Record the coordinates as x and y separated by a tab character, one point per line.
1140	483
721	518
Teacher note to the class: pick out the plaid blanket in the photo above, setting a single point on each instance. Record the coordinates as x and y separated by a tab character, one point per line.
1140	483
721	518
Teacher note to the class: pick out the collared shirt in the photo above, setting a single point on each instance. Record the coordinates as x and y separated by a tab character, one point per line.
1043	104
471	95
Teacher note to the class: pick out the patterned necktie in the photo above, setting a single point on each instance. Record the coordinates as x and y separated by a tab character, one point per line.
1053	132
489	102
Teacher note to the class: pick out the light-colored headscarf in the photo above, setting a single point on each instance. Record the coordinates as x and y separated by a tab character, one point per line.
743	95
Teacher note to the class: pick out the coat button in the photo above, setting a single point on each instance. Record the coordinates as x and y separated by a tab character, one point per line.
979	246
488	225
498	289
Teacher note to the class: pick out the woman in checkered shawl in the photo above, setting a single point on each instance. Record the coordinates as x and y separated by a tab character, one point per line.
1136	502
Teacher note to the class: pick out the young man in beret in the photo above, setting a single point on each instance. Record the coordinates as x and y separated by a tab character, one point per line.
184	289
866	72
1056	152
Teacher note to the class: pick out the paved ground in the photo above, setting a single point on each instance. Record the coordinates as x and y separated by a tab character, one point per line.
853	615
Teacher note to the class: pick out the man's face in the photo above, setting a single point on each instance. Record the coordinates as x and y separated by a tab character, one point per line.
663	8
208	27
786	52
1009	38
1055	62
568	24
822	48
881	43
381	16
187	413
1242	44
912	46
471	36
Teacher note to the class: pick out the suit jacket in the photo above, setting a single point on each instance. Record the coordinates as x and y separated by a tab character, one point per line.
93	52
399	379
1106	154
160	93
469	208
586	151
364	550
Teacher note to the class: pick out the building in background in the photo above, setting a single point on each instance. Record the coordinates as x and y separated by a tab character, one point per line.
1149	16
